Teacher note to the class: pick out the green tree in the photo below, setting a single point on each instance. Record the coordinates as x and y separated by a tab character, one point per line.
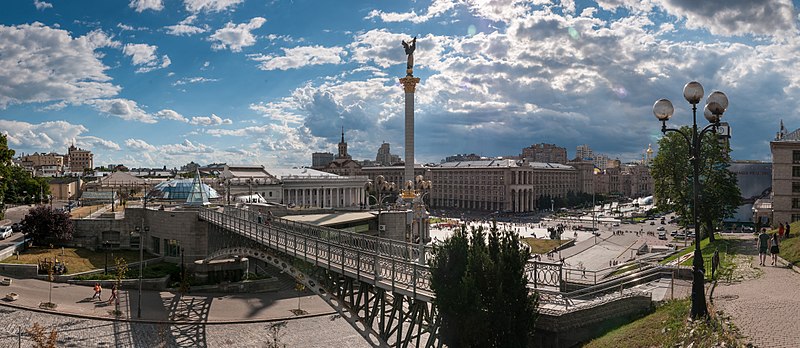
47	226
481	289
672	177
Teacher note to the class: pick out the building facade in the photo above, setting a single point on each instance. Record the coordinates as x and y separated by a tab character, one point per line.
344	164
321	159
785	150
385	156
545	153
80	159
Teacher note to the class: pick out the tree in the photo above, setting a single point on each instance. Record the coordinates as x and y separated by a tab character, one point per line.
41	338
672	177
47	226
481	289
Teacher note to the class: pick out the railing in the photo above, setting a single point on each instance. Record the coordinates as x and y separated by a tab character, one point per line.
388	264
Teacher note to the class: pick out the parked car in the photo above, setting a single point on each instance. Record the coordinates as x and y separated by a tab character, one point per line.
660	228
5	232
662	235
652	223
16	227
673	233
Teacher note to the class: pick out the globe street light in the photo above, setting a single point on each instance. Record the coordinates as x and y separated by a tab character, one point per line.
716	104
381	187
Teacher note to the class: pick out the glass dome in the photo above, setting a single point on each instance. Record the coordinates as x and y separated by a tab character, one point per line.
179	189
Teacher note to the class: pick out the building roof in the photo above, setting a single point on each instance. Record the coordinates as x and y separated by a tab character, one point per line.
299	173
331	219
63	180
180	189
120	179
503	163
245	171
104	195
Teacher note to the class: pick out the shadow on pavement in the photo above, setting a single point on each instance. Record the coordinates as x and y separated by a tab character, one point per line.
192	311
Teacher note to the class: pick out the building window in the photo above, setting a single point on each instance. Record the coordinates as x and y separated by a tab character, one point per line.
796	156
796	171
156	245
795	187
795	203
172	247
795	217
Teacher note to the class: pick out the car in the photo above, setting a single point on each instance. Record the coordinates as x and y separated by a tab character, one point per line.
5	232
673	233
660	228
652	223
16	227
616	224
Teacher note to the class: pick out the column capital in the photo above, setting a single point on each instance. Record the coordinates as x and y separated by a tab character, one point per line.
409	83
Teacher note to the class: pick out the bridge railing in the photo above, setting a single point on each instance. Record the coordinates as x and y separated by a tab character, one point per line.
315	246
382	246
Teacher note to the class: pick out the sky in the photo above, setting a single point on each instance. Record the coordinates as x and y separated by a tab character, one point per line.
148	83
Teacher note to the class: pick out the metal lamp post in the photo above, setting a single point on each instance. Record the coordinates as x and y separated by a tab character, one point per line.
381	187
415	191
716	105
145	229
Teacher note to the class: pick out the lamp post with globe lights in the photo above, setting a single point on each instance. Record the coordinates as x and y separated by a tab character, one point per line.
414	192
382	187
716	104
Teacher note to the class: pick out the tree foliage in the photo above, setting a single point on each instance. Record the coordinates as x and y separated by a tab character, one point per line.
481	289
47	226
17	186
672	177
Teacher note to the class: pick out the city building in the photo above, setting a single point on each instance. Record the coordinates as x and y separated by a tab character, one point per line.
385	156
754	179
600	161
630	180
321	159
65	188
79	159
462	158
545	153
583	152
43	164
248	180
785	150
343	164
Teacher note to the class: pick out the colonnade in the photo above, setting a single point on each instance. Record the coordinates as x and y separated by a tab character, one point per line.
523	200
325	197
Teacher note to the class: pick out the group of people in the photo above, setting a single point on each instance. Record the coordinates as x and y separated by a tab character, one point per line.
768	243
98	290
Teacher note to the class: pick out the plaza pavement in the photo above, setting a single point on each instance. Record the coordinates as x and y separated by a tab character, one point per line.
762	301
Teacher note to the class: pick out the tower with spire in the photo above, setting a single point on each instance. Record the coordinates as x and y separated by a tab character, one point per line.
343	148
781	132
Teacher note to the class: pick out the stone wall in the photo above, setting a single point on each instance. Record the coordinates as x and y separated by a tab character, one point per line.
573	327
19	270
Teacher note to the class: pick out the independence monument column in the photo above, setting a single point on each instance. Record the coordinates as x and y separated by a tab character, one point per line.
409	85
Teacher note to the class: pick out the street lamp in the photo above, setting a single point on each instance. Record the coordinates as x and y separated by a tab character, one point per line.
716	104
106	246
415	192
381	187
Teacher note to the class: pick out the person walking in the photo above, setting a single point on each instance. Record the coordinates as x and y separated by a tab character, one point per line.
97	291
780	230
773	248
714	263
763	245
113	295
788	227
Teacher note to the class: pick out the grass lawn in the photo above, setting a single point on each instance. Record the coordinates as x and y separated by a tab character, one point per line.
541	246
726	250
82	212
78	260
668	327
790	248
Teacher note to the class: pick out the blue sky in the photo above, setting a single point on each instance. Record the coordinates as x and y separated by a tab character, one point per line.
165	82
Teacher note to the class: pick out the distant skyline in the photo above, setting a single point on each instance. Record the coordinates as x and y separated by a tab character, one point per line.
148	83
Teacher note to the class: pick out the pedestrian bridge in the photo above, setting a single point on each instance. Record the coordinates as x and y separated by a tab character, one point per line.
381	286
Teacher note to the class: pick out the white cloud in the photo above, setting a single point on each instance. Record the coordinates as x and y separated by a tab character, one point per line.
436	9
50	136
297	57
142	5
236	36
168	114
41	64
736	17
41	5
139	145
123	108
192	80
145	55
187	147
212	120
195	6
185	27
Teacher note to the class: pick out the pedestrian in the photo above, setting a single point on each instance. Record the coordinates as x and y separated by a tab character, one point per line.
773	248
714	263
763	245
780	230
788	227
113	295
97	291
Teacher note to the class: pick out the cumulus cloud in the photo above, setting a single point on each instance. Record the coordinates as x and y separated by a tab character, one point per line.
186	27
297	57
735	17
168	114
142	5
212	120
193	80
41	5
93	142
123	108
50	136
144	55
34	65
436	9
139	145
236	36
209	5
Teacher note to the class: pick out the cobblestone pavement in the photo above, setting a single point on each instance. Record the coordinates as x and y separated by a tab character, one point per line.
324	331
762	301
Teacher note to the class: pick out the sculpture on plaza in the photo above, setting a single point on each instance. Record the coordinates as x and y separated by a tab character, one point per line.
410	47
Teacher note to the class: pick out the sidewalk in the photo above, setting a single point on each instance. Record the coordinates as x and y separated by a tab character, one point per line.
762	301
163	306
